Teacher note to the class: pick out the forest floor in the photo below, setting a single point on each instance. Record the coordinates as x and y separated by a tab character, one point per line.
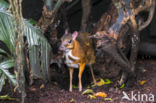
52	93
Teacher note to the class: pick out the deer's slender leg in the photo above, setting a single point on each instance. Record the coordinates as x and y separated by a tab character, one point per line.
71	77
81	69
92	72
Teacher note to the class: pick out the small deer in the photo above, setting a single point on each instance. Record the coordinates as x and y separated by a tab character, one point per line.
78	51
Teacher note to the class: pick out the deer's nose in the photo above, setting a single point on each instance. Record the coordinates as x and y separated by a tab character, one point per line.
61	48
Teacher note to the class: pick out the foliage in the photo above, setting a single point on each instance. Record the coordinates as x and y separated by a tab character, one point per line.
4	72
38	47
122	86
6	59
93	95
4	4
32	21
6	97
88	91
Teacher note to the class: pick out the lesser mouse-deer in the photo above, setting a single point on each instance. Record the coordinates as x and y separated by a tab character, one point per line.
78	51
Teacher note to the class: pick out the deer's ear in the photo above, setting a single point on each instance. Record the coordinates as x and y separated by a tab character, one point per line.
74	35
66	32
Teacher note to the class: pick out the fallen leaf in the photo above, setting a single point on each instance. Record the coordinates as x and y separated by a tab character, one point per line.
91	96
32	89
93	85
142	82
108	99
15	89
148	88
101	82
122	86
75	86
42	86
72	100
88	91
107	81
100	94
6	97
88	86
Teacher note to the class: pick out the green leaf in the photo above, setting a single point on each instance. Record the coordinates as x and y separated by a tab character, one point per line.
93	85
37	43
108	99
88	91
122	86
2	51
38	46
91	96
7	34
74	86
32	21
4	66
6	97
7	64
107	81
35	61
2	78
4	4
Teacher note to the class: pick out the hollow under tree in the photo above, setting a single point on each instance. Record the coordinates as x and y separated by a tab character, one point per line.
113	29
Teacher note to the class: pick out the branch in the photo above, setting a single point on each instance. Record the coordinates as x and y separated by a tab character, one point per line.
150	16
127	13
86	5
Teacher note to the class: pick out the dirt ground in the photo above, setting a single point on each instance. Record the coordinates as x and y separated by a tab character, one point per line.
53	93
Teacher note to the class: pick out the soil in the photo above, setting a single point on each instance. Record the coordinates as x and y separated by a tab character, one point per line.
54	93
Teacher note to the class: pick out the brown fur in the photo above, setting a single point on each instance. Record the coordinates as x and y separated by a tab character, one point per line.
83	48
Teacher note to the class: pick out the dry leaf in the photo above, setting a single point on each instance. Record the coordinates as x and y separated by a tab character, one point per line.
32	89
100	94
101	82
72	100
142	82
42	86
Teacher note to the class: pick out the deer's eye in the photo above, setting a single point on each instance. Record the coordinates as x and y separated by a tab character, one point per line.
70	41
